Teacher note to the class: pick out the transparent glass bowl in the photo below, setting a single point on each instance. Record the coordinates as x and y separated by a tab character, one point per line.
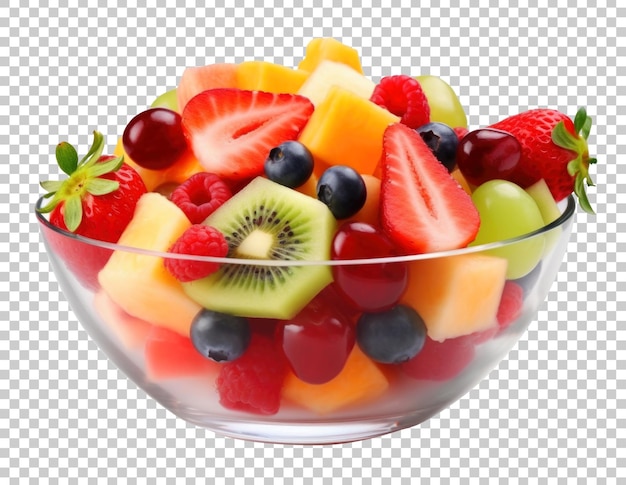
354	408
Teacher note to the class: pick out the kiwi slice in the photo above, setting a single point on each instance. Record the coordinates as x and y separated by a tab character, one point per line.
267	221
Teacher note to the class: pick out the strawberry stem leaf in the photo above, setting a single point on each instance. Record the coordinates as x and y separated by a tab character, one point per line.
99	186
67	157
95	150
106	167
73	212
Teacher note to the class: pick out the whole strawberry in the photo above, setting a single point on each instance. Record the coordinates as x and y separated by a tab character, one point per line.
553	148
96	201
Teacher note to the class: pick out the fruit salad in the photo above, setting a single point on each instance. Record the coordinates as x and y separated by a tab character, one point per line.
274	227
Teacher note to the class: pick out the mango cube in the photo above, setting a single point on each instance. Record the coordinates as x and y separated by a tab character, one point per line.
327	48
346	129
270	77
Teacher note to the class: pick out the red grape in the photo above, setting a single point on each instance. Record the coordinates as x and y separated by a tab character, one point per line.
318	340
154	139
368	287
487	154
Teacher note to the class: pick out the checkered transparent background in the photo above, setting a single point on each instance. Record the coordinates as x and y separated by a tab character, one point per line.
553	412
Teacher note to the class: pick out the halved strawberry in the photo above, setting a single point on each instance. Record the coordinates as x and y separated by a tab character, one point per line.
423	209
231	131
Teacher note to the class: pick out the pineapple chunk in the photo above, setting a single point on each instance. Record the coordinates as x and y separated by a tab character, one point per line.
139	283
329	74
327	48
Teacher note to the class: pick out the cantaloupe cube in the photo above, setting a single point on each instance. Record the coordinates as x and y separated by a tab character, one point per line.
270	77
327	48
360	380
197	79
456	295
346	129
175	174
139	283
330	73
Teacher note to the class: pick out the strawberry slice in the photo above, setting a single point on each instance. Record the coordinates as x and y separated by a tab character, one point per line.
231	131
423	209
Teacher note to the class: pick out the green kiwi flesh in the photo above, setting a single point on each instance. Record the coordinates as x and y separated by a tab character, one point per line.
267	221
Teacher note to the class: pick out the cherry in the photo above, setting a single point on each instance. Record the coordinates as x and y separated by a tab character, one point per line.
318	340
369	287
487	154
154	139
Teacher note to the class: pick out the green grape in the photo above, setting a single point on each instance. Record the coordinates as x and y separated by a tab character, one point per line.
507	211
166	100
445	106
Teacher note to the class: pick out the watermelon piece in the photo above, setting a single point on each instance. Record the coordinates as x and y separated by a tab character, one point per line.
170	355
131	331
440	361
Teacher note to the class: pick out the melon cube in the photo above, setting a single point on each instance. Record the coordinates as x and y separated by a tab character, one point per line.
346	129
456	295
197	79
327	48
130	331
330	73
139	283
359	381
269	77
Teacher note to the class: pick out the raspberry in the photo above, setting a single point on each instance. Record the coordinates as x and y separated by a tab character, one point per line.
253	382
510	304
403	96
200	195
461	131
198	240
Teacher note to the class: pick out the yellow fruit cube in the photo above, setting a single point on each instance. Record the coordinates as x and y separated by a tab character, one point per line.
328	74
346	129
139	283
327	48
266	76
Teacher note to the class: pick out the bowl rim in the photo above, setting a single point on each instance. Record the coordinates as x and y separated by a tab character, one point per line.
568	212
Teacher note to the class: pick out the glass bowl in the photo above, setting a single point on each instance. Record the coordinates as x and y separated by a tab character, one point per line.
474	317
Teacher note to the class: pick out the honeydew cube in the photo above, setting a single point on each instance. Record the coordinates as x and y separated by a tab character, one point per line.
139	283
270	77
327	48
329	74
456	295
346	129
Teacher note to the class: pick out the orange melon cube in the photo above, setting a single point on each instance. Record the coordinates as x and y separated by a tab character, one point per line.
456	295
197	79
139	283
327	48
360	380
346	129
270	77
153	179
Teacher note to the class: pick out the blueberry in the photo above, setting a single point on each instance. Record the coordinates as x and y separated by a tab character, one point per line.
443	142
219	336
343	190
392	336
289	164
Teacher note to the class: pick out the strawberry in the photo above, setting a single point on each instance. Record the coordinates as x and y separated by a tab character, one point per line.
423	209
231	131
553	148
96	201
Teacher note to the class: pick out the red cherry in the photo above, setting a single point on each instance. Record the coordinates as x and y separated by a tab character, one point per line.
318	340
368	287
488	154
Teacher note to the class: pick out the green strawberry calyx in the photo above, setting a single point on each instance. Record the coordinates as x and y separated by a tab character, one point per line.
577	142
84	177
